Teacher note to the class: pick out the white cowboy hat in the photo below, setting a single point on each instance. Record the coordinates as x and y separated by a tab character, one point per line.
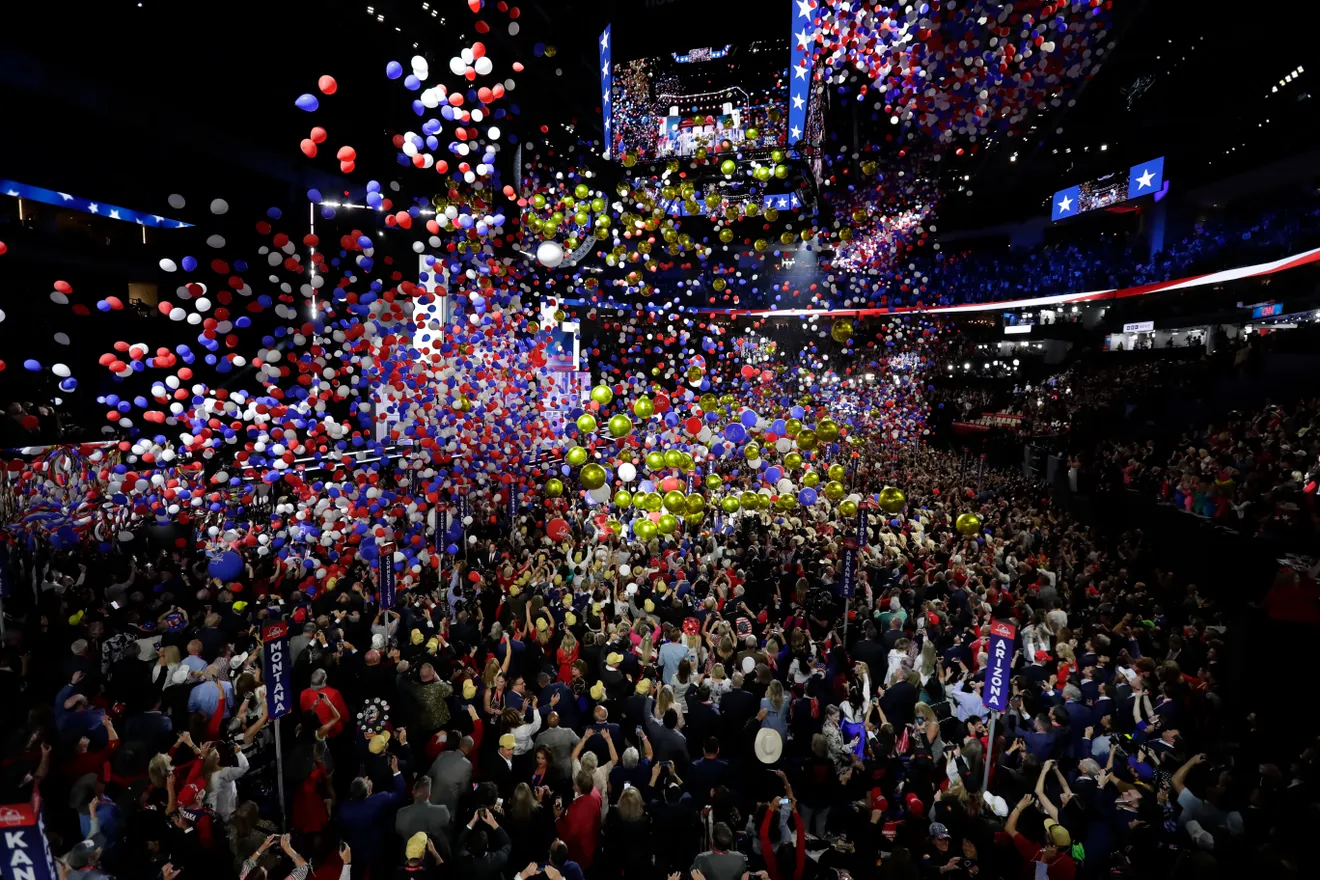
769	745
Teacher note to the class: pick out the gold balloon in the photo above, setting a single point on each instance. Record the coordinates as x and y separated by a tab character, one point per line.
792	427
792	461
577	456
673	458
827	430
655	460
806	439
811	478
750	501
602	394
694	503
592	476
620	425
968	524
695	518
675	502
726	236
667	524
554	488
892	499
614	526
834	490
586	423
842	330
695	374
772	214
653	502
848	507
639	500
708	402
752	451
623	498
560	315
719	283
760	245
836	472
713	482
688	462
643	408
644	529
730	504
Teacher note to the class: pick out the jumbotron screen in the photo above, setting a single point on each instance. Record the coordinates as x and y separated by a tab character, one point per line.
669	106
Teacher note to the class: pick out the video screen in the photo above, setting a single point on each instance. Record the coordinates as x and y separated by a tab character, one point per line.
1102	192
669	106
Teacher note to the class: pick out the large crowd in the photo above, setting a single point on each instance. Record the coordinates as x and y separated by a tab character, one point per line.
703	706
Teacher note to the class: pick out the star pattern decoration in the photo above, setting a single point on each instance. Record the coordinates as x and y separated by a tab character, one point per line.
1144	178
1065	205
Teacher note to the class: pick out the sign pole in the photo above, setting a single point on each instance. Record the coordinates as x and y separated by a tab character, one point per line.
989	751
998	682
279	775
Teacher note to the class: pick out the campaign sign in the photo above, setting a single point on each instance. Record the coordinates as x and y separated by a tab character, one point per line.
26	853
999	671
277	663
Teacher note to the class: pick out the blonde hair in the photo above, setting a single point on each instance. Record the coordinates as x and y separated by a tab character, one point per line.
159	769
171	654
491	672
775	694
717	672
569	641
1065	652
928	660
924	713
646	650
664	701
630	805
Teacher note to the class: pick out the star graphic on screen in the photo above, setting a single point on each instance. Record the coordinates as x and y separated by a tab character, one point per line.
800	72
1065	205
65	196
605	40
797	102
796	132
804	8
604	71
1144	179
114	215
92	207
13	193
802	38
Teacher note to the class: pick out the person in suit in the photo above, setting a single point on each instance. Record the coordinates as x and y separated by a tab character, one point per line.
707	773
451	775
701	719
500	770
737	707
870	650
900	700
422	815
669	744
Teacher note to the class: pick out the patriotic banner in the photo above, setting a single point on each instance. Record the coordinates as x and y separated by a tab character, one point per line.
861	526
689	483
277	664
999	671
386	563
26	852
606	81
513	503
801	41
849	582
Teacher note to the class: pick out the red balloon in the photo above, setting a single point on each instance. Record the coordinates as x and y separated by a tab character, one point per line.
693	425
3	248
558	529
308	147
327	84
346	154
318	135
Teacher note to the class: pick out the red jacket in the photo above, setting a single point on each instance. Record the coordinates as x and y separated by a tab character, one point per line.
308	699
579	827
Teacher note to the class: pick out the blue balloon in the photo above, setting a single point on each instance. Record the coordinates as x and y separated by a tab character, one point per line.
307	102
32	366
227	566
735	432
807	496
748	418
394	70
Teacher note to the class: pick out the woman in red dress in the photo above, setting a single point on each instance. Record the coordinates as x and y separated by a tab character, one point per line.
568	652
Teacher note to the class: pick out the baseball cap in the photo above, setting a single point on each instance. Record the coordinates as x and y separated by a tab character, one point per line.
644	686
507	741
416	847
81	855
469	689
598	691
1057	834
938	831
1042	656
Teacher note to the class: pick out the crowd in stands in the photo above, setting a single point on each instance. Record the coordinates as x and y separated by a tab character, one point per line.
705	706
1112	261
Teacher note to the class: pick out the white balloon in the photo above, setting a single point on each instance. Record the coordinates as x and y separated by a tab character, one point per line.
60	370
625	570
627	472
62	338
216	241
457	66
549	254
483	65
176	201
600	495
168	265
219	206
784	486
